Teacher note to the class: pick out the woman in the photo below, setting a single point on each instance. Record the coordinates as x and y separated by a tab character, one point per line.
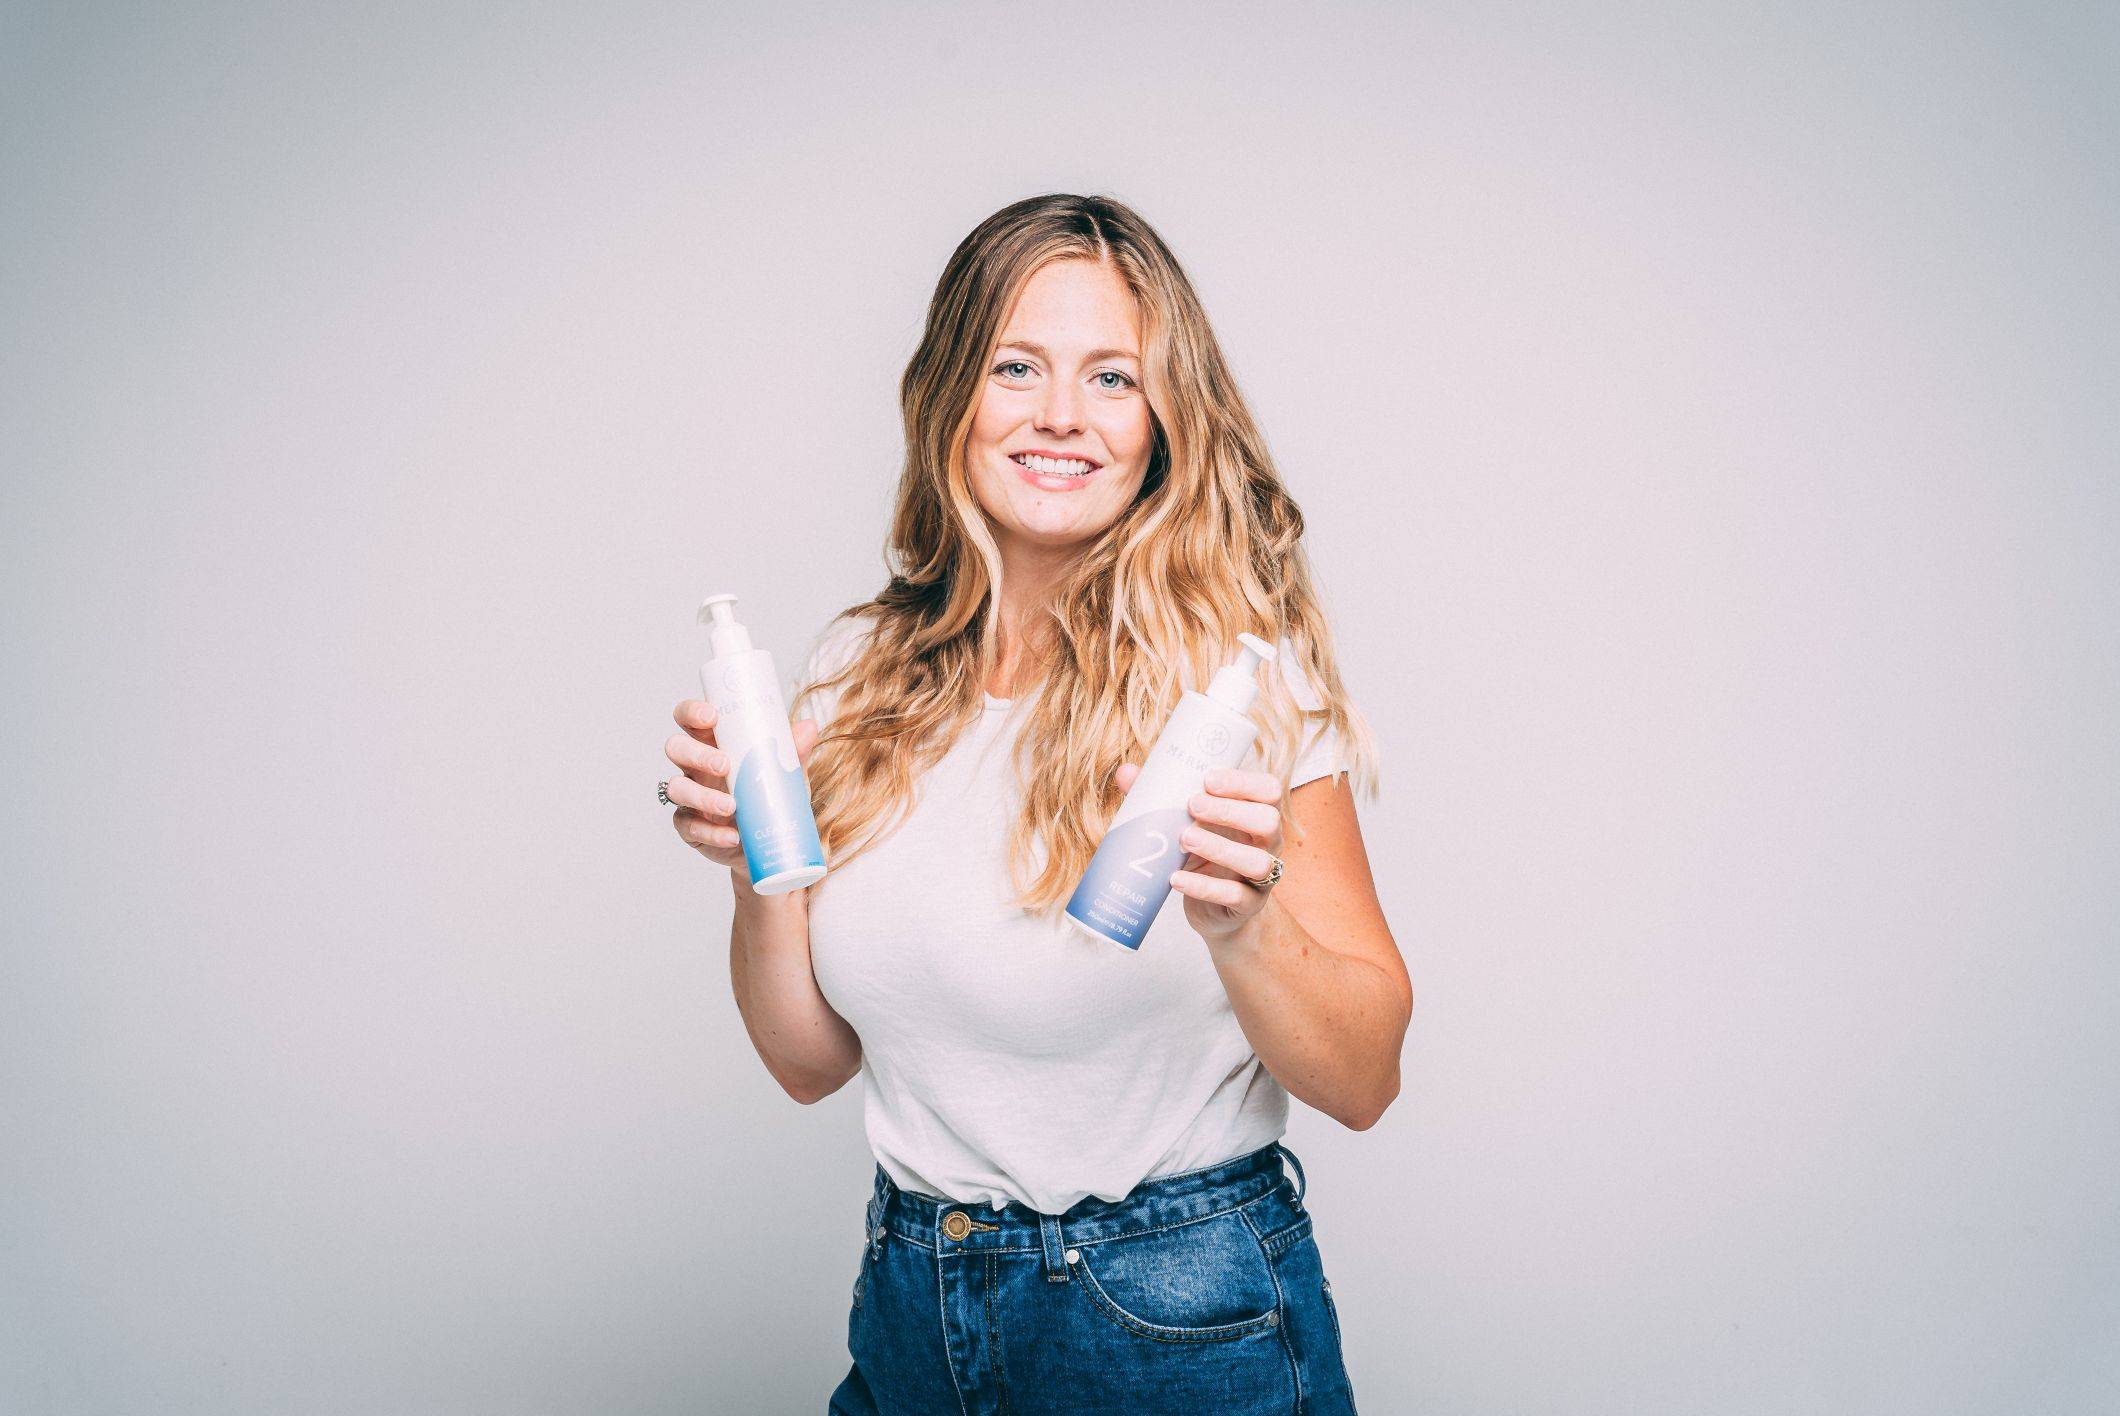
1079	1203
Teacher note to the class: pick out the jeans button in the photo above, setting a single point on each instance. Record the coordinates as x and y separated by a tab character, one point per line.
956	1224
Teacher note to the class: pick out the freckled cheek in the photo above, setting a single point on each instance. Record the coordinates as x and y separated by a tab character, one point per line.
1131	441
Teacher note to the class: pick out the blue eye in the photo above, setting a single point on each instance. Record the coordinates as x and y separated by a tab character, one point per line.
1124	381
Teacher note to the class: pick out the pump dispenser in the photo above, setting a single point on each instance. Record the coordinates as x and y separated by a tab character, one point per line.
1129	876
773	816
1236	683
725	634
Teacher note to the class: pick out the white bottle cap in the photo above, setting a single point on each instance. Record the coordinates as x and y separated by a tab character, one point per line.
1237	683
728	636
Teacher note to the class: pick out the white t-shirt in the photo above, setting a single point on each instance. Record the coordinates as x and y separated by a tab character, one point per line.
1006	1059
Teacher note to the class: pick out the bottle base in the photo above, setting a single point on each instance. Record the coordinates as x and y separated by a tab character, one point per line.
788	880
1100	934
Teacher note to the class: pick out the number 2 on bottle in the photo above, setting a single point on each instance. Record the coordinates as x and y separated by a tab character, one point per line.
1141	866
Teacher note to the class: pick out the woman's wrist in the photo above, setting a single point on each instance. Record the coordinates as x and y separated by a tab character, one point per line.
749	900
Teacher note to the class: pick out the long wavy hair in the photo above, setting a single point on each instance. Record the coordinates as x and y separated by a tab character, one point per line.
1210	547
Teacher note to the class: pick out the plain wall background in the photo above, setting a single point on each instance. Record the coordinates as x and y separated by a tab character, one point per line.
1705	418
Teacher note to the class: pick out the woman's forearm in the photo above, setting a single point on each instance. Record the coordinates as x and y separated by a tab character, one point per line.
1328	1025
809	1049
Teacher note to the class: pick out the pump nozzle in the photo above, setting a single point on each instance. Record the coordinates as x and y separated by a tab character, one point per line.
728	636
1237	683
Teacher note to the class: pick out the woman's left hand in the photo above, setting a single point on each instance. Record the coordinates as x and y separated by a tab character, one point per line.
1235	835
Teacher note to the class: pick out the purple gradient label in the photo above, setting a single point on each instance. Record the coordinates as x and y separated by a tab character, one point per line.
1129	876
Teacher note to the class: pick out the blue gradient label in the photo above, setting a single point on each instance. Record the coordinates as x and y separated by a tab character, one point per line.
1129	876
773	815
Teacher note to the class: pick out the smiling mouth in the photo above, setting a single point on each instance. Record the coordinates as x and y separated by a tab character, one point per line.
1052	467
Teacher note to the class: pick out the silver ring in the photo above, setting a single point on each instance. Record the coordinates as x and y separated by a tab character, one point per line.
662	792
1267	883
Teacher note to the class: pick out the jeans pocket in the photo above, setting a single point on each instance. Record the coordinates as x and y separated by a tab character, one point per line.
1206	1281
1277	1242
1333	1309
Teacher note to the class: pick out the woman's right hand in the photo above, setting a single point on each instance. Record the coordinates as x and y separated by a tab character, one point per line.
705	815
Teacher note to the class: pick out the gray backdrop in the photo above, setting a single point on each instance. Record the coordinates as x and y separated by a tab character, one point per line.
1705	421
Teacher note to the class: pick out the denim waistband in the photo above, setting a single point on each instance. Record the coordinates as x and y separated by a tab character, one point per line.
1159	1203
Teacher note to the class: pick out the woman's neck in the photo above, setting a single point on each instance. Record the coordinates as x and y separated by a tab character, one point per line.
1027	581
1007	673
1010	669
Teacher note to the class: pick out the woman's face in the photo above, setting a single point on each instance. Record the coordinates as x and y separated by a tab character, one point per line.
1064	379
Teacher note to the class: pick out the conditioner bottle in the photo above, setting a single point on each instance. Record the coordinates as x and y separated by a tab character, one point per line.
1129	876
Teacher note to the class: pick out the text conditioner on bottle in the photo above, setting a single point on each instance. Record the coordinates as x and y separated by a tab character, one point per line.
773	815
1129	876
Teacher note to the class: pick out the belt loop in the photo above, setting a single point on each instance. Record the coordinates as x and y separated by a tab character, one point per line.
879	1205
886	1191
1055	1256
1301	1183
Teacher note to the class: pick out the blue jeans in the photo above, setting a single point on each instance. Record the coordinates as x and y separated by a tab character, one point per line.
1200	1292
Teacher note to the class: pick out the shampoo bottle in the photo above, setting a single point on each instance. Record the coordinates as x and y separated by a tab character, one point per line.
773	815
1129	876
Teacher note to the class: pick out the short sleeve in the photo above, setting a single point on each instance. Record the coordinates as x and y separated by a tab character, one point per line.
832	650
1320	751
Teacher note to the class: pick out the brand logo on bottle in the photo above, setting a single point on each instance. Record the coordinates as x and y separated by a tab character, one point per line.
1176	748
1214	740
745	689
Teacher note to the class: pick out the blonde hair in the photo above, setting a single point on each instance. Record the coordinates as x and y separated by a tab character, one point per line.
1210	547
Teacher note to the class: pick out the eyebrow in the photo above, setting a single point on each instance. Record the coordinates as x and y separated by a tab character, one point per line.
1038	349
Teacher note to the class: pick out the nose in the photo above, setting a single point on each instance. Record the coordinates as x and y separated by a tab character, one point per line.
1061	412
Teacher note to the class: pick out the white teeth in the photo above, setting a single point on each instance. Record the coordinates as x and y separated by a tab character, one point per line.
1055	467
